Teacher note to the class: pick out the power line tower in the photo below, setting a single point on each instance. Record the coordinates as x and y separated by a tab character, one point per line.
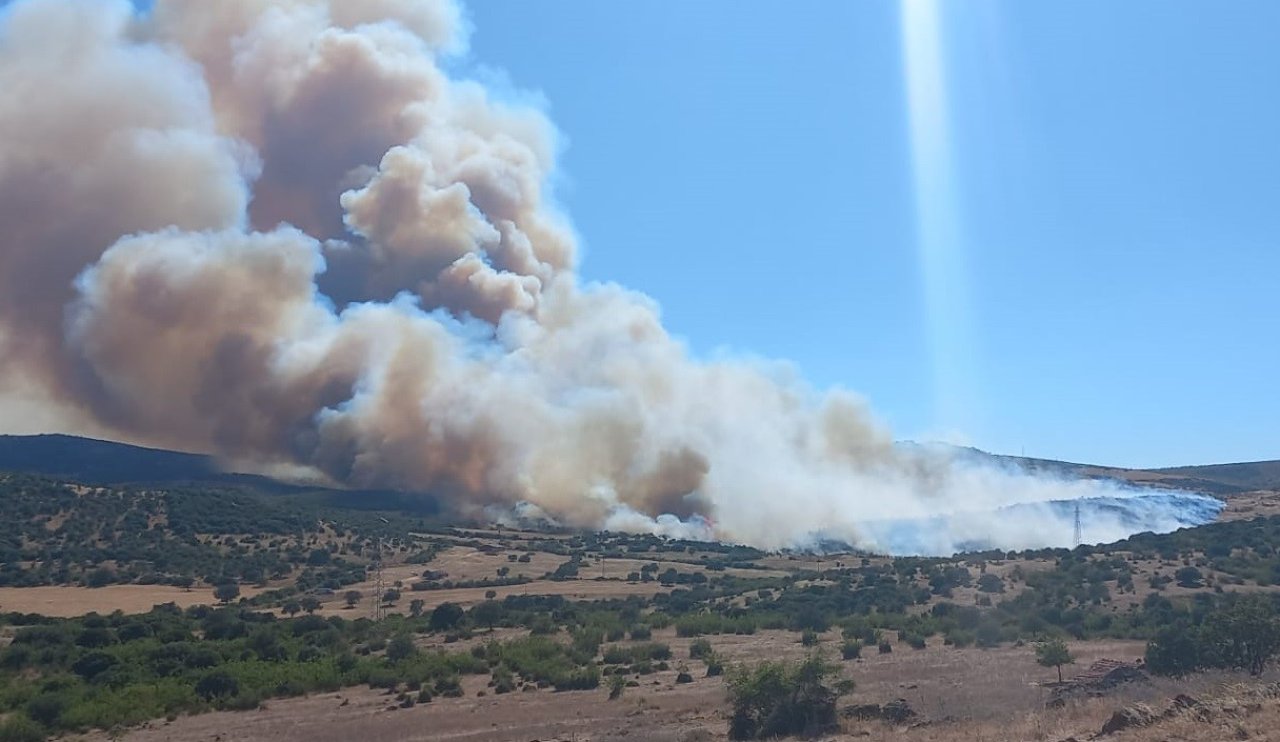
379	584
379	580
1079	534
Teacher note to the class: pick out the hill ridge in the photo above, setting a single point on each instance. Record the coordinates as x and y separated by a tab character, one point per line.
98	461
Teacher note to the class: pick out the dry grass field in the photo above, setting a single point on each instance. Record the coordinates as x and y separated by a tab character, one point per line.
600	578
468	596
957	693
64	601
1251	505
969	695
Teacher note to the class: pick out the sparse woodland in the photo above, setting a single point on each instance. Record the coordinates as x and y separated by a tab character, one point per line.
1197	597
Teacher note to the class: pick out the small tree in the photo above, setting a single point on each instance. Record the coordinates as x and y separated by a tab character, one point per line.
310	604
1054	653
400	648
101	577
1174	650
988	633
291	608
487	613
699	648
446	616
990	583
217	684
416	606
1245	635
352	597
617	684
391	596
226	592
1189	577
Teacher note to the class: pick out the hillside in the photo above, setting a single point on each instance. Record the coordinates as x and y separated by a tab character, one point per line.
91	461
96	462
1255	475
334	620
1222	480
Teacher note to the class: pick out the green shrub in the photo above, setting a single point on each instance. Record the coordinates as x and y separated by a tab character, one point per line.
401	648
699	648
584	678
503	681
449	687
659	620
774	699
217	684
19	728
244	701
48	707
988	633
587	641
617	684
990	583
647	652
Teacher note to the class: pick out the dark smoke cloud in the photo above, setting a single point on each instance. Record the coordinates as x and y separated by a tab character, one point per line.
279	232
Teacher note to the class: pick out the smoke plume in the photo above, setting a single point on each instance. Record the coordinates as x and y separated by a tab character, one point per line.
278	231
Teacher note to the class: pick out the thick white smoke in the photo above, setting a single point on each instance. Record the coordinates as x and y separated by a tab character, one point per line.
279	232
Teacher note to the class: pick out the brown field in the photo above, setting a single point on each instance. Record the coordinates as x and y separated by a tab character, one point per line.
961	694
579	589
470	563
64	601
1251	505
465	563
649	713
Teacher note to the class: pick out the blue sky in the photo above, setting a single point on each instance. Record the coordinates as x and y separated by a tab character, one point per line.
1115	178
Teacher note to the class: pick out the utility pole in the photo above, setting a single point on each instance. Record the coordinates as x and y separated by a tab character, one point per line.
1079	534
